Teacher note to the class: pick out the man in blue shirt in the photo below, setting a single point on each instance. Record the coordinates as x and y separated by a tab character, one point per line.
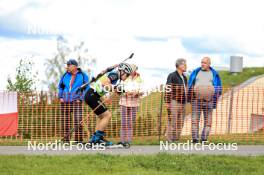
204	89
71	100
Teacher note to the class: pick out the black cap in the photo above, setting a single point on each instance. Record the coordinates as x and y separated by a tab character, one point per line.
72	62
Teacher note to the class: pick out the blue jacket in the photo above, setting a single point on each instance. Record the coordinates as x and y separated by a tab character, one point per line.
68	94
216	83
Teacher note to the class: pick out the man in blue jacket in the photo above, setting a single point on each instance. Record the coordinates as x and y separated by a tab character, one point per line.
204	89
71	100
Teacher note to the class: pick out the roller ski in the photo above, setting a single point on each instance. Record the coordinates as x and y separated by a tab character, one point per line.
122	145
98	140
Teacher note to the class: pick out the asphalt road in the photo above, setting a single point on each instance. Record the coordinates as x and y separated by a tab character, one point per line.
243	150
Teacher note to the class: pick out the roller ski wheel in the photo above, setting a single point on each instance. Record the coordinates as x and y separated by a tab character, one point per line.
125	145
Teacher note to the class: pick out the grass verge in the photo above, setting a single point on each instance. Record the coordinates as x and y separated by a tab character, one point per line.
151	164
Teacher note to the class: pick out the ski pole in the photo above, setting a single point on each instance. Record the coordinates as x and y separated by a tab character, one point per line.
109	69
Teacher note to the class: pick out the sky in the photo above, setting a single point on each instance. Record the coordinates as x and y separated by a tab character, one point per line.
156	31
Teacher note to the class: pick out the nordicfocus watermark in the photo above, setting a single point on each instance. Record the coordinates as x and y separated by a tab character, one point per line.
121	88
189	146
59	146
40	30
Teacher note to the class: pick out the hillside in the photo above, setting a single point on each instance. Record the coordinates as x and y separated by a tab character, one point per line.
229	79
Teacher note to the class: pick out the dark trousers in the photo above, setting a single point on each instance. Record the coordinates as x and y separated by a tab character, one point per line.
74	108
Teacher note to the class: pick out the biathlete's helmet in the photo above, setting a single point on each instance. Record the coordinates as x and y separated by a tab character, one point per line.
125	67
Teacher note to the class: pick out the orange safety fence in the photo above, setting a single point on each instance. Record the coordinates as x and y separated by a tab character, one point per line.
238	117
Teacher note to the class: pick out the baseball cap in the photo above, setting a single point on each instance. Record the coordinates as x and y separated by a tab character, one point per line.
72	62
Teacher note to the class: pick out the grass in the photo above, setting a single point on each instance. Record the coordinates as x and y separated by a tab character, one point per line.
229	80
151	164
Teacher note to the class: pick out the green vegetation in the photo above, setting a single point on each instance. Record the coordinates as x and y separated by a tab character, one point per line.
25	80
151	164
229	80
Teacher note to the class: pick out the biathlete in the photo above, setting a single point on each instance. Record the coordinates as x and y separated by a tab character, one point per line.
93	97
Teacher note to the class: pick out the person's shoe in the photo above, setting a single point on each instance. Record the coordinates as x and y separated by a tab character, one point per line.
66	141
123	143
120	143
204	141
195	141
98	138
94	138
101	141
106	142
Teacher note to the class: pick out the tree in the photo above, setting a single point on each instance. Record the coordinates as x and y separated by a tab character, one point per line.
55	66
25	80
